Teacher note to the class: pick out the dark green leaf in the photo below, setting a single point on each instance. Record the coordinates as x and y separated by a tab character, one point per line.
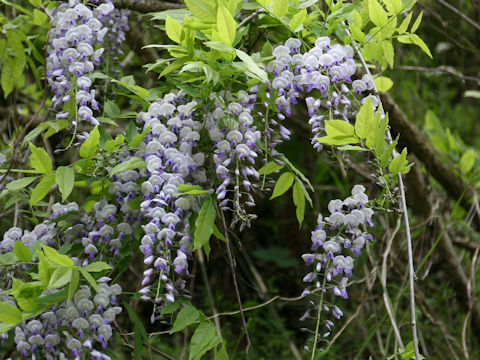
204	224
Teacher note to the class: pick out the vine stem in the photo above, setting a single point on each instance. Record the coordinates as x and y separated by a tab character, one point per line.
403	201
320	304
235	283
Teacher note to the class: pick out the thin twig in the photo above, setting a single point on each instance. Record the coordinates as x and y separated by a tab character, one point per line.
235	284
404	209
459	13
249	17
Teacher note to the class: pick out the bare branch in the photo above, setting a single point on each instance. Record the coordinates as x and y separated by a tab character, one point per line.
146	6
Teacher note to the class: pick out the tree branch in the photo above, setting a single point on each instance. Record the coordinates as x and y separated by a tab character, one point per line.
145	6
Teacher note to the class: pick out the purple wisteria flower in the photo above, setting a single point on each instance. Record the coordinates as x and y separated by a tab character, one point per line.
337	241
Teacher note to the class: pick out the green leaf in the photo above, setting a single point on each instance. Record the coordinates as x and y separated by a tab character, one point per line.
204	224
45	271
39	159
10	314
54	256
97	266
269	168
378	16
385	158
335	128
218	234
357	33
364	121
132	163
226	25
202	10
60	277
8	258
383	83
111	109
89	147
404	25
137	139
65	178
131	131
299	201
280	8
187	316
296	23
204	338
42	188
170	308
284	183
73	285
252	65
394	6
415	40
174	29
399	163
21	251
467	161
338	140
90	279
417	22
20	183
221	354
39	17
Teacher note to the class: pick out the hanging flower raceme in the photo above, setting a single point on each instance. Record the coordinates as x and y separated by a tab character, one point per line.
170	151
323	76
236	140
337	241
75	50
75	329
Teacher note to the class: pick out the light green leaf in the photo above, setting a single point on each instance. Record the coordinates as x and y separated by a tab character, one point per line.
39	17
252	65
226	25
383	83
467	161
173	28
299	201
394	7
404	25
90	279
203	339
280	8
132	163
415	40
364	119
187	316
8	258
472	93
388	51
89	147
284	183
21	251
218	234
357	33
338	140
42	188
204	224
398	164
377	14
264	2
65	178
73	285
201	9
97	266
296	23
57	258
39	159
9	314
20	183
417	22
338	128
60	277
269	168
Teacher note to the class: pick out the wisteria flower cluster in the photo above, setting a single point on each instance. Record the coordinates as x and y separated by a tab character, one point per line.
337	241
171	153
75	328
75	49
322	76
